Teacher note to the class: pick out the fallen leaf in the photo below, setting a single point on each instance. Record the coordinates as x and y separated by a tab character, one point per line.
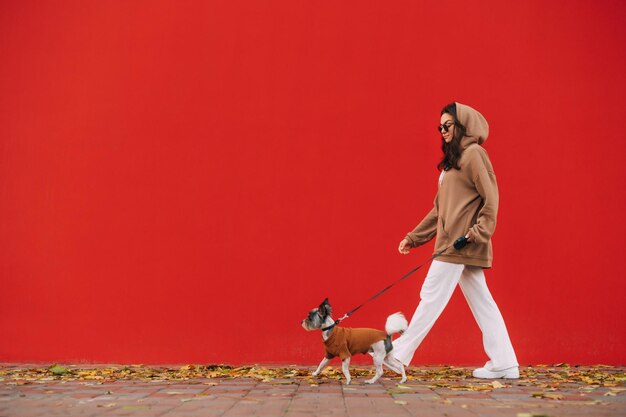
398	391
58	370
547	395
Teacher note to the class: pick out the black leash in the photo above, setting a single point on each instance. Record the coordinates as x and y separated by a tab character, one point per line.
458	244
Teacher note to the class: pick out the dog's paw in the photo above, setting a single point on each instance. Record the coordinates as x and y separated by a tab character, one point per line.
348	381
371	381
315	374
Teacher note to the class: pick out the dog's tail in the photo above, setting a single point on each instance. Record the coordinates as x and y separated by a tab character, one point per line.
396	323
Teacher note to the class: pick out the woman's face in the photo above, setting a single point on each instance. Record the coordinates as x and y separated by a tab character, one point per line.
447	120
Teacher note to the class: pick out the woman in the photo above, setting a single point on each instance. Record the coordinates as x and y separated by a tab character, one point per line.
466	204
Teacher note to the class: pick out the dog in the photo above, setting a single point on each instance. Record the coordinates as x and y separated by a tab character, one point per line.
345	342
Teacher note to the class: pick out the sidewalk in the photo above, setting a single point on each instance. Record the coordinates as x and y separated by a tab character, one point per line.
36	391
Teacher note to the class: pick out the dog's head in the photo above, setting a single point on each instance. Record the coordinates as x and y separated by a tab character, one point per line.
317	316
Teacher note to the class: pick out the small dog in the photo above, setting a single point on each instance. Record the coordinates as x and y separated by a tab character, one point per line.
345	342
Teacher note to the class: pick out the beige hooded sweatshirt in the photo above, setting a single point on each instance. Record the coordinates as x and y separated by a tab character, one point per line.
467	200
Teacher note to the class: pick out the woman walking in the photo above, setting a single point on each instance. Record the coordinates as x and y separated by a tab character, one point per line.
466	204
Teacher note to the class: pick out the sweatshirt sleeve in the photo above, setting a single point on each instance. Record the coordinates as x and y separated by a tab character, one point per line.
485	182
426	229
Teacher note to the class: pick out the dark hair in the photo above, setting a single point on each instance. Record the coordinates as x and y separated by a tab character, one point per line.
452	151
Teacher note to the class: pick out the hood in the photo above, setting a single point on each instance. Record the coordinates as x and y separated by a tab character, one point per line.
476	126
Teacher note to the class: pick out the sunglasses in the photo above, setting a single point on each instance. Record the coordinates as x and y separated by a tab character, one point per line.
444	128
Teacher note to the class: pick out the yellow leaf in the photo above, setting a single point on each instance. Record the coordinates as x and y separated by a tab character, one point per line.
58	370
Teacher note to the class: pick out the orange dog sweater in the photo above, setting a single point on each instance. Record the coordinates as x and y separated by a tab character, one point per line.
345	341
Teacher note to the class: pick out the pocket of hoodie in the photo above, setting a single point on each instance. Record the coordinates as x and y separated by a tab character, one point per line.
469	223
441	228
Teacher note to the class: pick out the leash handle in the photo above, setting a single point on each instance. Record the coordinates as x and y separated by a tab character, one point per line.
460	243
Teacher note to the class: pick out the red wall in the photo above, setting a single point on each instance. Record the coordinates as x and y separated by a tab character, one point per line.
180	182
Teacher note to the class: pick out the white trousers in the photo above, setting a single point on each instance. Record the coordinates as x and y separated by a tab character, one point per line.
437	289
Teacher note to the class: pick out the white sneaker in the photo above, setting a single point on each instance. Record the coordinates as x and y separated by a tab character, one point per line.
511	373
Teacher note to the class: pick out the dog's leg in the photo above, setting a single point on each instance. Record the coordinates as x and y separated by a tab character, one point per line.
320	368
379	357
345	367
395	365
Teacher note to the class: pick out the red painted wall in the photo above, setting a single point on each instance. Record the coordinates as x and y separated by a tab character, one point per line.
182	182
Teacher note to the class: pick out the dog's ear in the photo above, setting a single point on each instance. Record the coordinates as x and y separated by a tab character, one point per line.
325	308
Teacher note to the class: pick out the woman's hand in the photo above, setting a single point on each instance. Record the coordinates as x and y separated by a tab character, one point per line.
405	246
